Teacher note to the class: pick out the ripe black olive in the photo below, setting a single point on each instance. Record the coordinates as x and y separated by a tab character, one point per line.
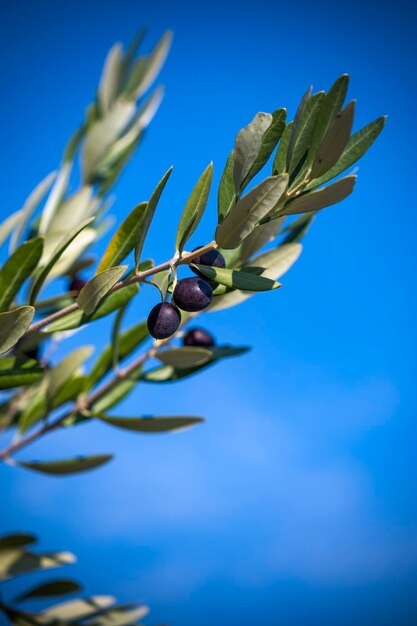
212	258
198	337
192	294
163	320
77	283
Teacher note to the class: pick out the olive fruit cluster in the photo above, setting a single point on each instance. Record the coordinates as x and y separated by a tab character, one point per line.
190	294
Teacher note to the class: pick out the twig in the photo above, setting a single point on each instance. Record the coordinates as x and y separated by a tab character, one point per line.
96	395
185	259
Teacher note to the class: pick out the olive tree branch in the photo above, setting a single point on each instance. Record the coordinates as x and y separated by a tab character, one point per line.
139	277
85	403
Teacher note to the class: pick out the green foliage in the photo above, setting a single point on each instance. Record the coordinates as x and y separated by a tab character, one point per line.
250	210
150	424
67	466
16	560
17	269
99	286
194	209
257	240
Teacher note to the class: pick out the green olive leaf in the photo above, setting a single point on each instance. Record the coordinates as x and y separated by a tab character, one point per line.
184	357
268	143
96	288
59	587
250	210
280	161
247	147
356	147
67	466
148	216
226	195
18	267
150	424
124	239
317	200
334	141
17	372
330	107
13	325
194	209
54	258
305	128
238	279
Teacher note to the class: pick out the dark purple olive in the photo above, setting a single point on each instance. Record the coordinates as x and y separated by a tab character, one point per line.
77	283
213	258
33	353
192	294
163	320
198	337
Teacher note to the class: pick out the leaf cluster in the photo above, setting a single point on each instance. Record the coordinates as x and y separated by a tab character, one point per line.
17	558
256	233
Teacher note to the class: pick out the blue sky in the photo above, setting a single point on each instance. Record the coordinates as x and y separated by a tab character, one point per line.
295	502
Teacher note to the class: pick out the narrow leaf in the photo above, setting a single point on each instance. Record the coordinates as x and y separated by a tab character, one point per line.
249	210
169	373
280	161
316	200
330	107
268	143
124	239
194	208
154	63
68	466
122	615
79	609
263	234
296	124
161	280
148	216
54	588
226	196
150	424
305	129
8	225
17	540
358	144
276	263
55	197
184	357
16	372
238	279
54	258
116	394
17	269
63	372
334	142
14	561
13	325
38	405
96	288
30	207
298	228
110	78
247	146
102	134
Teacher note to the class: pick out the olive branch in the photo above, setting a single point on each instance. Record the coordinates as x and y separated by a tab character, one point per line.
259	229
